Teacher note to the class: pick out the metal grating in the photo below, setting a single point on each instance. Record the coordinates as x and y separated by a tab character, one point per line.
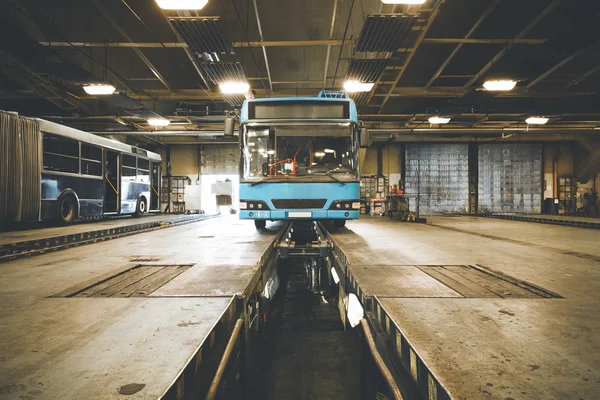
74	74
122	101
510	178
203	36
139	281
366	70
384	32
479	282
360	98
225	71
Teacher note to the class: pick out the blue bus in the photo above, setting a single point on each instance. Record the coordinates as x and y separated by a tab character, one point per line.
299	159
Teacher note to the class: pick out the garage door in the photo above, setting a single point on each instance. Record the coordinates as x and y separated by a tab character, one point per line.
437	176
220	159
510	178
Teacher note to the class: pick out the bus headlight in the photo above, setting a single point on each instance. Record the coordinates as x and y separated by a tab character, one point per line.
260	205
356	205
243	205
252	204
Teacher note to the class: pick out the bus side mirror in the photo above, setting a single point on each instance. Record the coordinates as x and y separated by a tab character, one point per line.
364	137
229	124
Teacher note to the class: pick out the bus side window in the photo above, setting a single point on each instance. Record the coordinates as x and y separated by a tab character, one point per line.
129	167
91	160
60	154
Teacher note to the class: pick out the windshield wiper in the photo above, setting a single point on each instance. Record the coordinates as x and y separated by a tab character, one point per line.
335	179
258	182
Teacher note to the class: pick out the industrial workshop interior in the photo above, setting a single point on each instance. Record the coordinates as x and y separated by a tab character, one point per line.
299	199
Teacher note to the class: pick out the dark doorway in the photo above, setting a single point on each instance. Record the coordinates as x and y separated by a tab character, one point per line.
111	183
154	186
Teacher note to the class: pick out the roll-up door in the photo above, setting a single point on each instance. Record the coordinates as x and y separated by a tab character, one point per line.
220	159
437	177
510	178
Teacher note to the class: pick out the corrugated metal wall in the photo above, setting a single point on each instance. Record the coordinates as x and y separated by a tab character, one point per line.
220	159
510	178
438	174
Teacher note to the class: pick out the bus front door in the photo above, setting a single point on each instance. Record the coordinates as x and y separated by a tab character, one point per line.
111	183
154	186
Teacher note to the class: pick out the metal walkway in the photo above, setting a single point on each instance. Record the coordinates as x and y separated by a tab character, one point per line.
148	317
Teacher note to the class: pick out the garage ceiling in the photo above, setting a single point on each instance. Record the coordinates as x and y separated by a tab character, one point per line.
424	60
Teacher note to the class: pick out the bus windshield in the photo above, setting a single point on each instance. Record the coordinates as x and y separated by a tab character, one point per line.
299	151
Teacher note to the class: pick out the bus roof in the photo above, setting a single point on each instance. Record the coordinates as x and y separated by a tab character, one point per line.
352	106
61	130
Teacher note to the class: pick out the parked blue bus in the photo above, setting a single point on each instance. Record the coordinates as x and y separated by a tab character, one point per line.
53	172
299	159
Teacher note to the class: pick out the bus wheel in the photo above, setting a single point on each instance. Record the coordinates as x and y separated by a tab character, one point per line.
67	209
339	223
140	209
260	223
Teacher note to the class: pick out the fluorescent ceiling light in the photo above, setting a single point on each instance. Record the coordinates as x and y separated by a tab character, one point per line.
99	89
439	120
271	152
158	122
319	154
329	151
536	120
403	1
499	85
181	4
234	87
356	86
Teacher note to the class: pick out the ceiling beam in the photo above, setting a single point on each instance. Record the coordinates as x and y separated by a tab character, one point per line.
539	18
264	49
289	43
477	24
583	77
335	3
137	51
559	65
408	92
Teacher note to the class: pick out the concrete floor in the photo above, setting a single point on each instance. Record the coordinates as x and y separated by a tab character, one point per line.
486	347
67	348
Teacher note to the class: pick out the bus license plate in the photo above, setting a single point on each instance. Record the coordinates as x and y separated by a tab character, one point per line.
299	214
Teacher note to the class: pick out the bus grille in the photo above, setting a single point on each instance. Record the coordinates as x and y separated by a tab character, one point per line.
299	203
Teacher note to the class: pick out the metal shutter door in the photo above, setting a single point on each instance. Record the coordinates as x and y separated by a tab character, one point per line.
510	178
220	159
438	174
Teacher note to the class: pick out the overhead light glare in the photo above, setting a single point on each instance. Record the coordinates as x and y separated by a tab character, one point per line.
500	85
439	120
96	90
403	1
159	122
356	86
181	4
536	120
234	87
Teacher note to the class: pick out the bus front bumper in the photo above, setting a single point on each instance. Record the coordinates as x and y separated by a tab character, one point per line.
299	214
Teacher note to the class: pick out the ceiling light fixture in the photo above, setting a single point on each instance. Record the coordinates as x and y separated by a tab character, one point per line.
159	122
439	120
234	87
536	120
500	85
356	86
96	90
181	4
403	1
